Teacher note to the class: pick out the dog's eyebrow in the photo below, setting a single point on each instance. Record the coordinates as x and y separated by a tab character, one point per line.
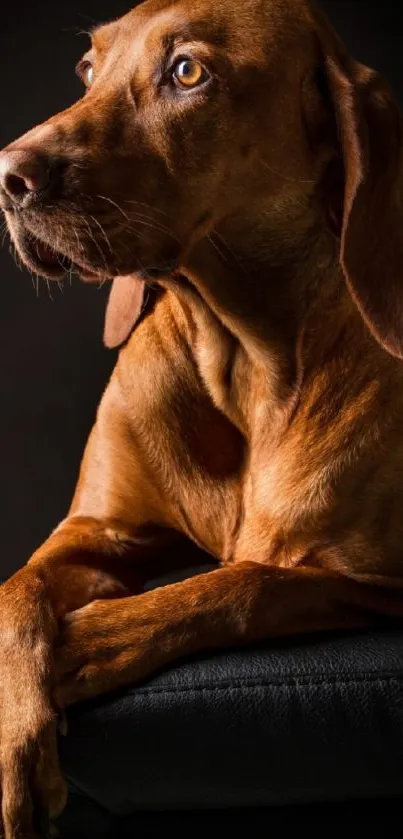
201	31
95	30
101	33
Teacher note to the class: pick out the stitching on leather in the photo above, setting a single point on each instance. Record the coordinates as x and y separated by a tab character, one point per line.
296	682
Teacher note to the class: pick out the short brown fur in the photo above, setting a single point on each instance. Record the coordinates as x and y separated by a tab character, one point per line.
254	417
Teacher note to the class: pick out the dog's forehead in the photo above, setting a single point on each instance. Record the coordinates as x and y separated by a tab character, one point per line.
242	25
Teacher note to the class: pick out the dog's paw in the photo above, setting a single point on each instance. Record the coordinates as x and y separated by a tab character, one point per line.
33	791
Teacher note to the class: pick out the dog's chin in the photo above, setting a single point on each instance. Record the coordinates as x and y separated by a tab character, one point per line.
45	260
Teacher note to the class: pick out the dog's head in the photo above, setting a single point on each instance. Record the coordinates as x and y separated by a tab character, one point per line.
196	112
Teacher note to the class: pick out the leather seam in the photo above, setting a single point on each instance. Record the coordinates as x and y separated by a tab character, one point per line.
294	682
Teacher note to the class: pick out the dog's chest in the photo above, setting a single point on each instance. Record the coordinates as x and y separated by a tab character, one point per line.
218	484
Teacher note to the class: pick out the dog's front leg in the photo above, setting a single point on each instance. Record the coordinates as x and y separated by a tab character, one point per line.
114	643
84	559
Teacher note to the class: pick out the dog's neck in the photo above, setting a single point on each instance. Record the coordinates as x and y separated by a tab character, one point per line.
249	271
255	310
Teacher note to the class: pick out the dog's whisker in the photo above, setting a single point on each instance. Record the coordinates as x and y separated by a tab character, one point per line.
146	206
216	248
148	216
80	246
155	226
49	291
140	236
283	176
114	204
99	225
15	255
230	250
99	249
141	218
4	232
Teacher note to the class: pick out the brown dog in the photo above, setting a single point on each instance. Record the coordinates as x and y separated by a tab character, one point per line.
235	158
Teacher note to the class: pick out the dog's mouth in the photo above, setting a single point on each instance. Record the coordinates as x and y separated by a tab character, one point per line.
45	259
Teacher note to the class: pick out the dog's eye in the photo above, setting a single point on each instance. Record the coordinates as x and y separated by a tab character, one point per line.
85	71
188	73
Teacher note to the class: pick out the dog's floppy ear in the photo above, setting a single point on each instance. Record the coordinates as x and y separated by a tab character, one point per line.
123	309
371	138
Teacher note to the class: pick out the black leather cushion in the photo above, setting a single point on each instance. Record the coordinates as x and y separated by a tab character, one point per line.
378	817
310	721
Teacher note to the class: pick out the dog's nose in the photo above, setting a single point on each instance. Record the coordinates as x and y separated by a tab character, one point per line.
23	175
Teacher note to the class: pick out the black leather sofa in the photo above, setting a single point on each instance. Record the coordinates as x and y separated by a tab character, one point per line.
304	732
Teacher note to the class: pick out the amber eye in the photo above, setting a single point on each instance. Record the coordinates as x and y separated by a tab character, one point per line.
189	73
86	72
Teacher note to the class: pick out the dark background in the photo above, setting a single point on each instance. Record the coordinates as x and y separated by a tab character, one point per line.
52	363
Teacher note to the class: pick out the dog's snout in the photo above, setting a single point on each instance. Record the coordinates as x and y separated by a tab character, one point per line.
23	175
